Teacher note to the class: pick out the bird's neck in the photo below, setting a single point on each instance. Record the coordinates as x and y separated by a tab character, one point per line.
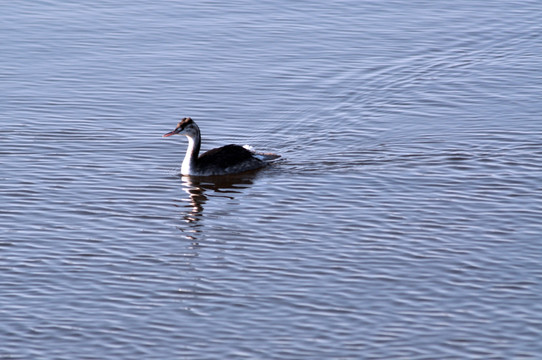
191	157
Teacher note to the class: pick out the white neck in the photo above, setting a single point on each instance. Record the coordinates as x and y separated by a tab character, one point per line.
190	158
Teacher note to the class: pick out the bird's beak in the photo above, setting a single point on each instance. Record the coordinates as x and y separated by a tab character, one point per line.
169	133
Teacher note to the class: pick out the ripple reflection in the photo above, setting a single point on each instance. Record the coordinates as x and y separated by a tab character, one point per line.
200	190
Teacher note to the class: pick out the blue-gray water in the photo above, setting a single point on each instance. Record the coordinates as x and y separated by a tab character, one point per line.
403	222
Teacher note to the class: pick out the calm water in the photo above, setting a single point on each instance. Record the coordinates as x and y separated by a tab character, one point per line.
403	222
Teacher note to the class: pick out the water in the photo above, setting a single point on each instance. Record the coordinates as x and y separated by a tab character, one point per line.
403	221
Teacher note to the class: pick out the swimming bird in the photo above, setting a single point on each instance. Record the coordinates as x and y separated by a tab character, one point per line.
229	159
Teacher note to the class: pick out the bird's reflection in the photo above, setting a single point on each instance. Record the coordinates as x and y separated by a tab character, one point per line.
202	189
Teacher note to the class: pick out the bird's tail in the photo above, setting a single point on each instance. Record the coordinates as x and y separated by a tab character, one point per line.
262	156
266	156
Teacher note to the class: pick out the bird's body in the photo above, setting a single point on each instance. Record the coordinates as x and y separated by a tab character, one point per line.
229	159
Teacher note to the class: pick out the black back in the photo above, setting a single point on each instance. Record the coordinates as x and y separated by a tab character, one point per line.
226	156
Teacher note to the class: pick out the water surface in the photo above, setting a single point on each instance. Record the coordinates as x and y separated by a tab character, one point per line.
403	221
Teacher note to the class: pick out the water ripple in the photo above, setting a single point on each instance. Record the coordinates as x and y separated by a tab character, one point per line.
402	221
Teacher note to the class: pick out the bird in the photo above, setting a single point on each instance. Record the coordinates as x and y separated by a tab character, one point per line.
225	160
